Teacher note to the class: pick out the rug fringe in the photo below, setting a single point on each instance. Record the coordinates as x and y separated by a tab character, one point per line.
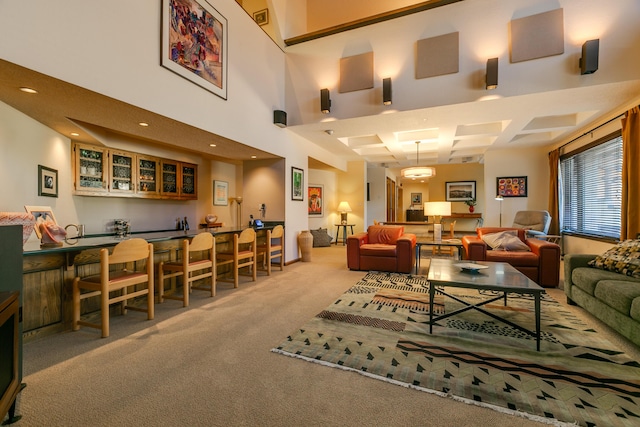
549	421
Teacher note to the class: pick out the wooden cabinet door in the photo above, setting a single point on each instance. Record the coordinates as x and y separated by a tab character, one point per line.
90	175
188	181
122	173
169	176
148	176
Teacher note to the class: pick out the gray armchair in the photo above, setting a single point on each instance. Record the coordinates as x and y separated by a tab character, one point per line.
535	222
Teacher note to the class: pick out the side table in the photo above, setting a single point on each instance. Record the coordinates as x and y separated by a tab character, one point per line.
344	232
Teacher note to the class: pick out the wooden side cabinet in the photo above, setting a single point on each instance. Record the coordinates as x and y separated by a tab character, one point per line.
90	170
189	181
122	173
148	176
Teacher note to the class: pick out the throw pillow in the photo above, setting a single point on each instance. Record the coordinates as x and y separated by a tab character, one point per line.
321	237
623	258
505	241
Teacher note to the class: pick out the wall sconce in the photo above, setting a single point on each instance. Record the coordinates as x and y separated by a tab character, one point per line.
589	61
437	210
386	91
280	118
325	101
343	208
491	79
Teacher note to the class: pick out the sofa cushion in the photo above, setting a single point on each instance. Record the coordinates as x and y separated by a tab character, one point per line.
586	278
506	241
516	259
635	309
623	258
377	249
384	234
321	238
618	294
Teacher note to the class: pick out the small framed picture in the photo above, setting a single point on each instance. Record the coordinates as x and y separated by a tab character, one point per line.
297	184
460	191
41	214
261	17
315	197
512	186
47	181
220	193
416	199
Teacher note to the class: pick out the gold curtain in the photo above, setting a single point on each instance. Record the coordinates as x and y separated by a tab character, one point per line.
554	204
630	224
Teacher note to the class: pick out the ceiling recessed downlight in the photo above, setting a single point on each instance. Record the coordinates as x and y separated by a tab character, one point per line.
143	124
75	134
212	145
28	90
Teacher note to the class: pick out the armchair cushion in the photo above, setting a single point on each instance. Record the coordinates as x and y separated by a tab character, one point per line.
382	248
506	241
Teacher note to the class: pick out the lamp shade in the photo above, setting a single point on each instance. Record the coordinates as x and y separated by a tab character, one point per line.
344	207
437	208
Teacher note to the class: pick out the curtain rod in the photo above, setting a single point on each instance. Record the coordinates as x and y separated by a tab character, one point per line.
591	131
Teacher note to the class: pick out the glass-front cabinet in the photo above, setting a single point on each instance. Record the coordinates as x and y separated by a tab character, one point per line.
148	168
121	170
90	169
102	171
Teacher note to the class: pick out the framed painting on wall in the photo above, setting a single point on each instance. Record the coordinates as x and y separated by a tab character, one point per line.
47	181
416	199
512	186
194	43
460	191
315	195
297	183
220	193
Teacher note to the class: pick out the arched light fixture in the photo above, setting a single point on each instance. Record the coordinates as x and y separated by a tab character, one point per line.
418	171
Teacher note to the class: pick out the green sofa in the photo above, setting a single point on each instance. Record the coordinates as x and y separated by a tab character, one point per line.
613	298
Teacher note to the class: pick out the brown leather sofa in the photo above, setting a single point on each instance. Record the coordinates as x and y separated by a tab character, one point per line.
382	248
541	264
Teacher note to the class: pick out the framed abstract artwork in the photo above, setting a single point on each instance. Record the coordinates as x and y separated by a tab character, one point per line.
297	183
194	43
512	186
315	196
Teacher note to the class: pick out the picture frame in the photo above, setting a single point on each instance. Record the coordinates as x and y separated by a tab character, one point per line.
261	17
204	62
416	199
315	196
460	191
47	181
41	214
512	186
220	193
297	183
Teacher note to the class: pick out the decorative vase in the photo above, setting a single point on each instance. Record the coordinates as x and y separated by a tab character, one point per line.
471	209
305	243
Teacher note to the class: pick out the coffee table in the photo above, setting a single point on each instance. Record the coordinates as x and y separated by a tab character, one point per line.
424	241
490	276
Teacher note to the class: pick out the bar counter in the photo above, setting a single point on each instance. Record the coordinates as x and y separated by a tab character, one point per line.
48	272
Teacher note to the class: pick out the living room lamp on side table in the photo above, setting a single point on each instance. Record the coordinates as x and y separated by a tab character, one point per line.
500	199
437	210
343	208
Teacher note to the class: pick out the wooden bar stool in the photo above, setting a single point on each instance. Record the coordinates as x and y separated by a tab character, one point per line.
198	262
243	254
270	250
129	253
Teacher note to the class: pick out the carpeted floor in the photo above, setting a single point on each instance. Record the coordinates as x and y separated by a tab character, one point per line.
380	327
211	365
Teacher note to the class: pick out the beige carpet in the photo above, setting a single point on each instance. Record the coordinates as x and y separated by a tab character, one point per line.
211	365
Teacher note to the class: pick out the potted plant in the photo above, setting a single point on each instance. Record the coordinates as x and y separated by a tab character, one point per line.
471	203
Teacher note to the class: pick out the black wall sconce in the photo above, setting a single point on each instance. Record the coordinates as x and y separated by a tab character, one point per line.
491	79
386	91
325	101
280	118
590	52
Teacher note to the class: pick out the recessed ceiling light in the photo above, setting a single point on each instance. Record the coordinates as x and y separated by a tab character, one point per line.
75	134
28	90
254	157
143	124
212	145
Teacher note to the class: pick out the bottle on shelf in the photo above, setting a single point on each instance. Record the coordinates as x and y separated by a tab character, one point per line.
186	224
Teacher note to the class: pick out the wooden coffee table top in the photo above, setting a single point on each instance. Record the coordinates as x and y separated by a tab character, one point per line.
498	276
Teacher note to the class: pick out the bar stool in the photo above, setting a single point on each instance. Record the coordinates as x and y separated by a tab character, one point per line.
243	254
270	250
198	262
127	252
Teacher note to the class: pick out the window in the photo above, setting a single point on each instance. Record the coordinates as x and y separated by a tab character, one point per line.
591	188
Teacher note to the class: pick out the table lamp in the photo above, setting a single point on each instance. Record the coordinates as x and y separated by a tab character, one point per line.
437	210
343	208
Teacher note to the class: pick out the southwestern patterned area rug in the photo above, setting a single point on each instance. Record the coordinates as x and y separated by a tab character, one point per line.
379	328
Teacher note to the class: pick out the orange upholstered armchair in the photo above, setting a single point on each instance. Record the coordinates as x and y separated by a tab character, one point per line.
536	258
382	248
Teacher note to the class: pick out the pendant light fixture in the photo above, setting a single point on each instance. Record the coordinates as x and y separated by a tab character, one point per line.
418	171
